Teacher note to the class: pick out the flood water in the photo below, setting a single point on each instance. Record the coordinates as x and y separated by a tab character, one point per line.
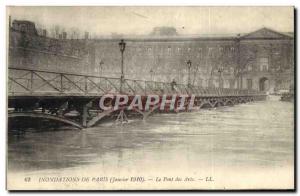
256	135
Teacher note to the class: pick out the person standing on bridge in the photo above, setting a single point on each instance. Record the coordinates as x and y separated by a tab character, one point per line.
173	84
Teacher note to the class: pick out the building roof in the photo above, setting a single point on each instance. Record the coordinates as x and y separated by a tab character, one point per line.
266	33
263	33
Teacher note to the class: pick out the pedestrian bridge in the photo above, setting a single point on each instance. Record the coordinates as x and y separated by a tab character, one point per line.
53	95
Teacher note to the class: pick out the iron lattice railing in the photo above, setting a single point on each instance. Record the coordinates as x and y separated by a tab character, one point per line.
23	81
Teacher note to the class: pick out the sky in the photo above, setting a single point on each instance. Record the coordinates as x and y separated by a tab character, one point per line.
141	20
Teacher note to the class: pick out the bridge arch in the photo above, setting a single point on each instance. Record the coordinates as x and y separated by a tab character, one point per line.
243	100
145	114
44	116
229	102
206	104
219	103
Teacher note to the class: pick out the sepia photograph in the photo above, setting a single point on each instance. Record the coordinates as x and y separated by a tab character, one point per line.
150	98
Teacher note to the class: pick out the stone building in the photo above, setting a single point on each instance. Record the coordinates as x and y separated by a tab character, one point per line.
165	59
267	59
261	60
29	50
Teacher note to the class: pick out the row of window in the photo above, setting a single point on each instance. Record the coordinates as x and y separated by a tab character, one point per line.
263	64
261	67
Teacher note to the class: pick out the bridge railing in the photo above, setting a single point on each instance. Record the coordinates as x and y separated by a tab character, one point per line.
22	81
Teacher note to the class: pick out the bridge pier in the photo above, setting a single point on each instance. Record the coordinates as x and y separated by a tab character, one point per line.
84	115
122	117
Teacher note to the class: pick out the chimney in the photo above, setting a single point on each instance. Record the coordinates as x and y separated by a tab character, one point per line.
44	33
86	35
64	35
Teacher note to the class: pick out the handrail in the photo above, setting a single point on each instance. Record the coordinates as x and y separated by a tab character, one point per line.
82	75
162	85
54	72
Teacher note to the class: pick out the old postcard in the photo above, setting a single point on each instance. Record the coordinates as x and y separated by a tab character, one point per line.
150	98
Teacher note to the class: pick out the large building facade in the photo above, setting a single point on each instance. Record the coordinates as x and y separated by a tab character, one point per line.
267	60
261	60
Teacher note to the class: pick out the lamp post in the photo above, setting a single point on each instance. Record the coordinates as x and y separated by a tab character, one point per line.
189	64
122	116
122	46
100	67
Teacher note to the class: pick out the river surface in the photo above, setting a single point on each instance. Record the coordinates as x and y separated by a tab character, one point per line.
254	137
